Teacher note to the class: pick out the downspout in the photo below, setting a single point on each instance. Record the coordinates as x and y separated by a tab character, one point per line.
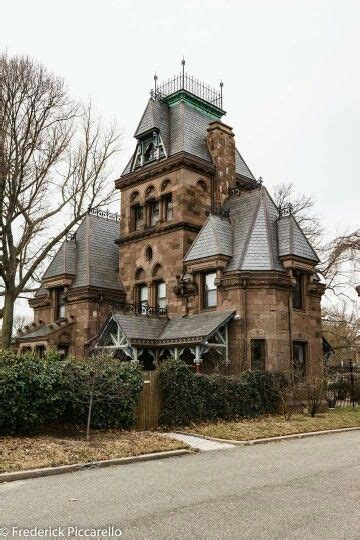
290	340
245	321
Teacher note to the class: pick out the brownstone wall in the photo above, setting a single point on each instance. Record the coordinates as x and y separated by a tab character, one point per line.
190	202
221	144
191	195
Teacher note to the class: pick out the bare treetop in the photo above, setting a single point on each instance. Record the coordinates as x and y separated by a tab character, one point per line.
55	157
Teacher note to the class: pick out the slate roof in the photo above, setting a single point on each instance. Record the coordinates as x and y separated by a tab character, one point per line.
137	327
193	328
92	257
44	331
292	240
215	238
64	262
183	128
254	217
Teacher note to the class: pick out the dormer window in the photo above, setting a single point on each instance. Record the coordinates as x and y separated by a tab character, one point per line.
149	154
149	149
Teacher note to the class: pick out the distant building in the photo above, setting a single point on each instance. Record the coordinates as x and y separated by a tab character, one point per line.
203	266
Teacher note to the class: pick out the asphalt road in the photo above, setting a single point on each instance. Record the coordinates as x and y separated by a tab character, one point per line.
307	488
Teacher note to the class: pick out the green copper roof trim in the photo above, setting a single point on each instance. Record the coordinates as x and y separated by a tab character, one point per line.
184	96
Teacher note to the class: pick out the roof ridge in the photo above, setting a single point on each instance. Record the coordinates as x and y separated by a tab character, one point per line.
268	232
306	238
249	232
246	165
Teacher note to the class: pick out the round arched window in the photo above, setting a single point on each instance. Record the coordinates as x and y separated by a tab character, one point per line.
201	184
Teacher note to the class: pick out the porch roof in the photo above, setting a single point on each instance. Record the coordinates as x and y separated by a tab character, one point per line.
143	330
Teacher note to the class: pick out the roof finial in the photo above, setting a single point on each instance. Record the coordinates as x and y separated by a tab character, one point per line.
183	71
221	93
155	83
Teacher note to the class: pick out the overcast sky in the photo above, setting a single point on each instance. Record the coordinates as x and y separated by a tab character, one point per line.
291	75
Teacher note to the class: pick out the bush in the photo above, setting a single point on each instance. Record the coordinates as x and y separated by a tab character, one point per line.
187	397
38	391
31	391
112	386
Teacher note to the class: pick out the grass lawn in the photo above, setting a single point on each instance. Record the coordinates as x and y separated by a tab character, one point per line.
272	426
22	453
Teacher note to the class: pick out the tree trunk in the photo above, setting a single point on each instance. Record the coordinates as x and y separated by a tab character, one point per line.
89	415
8	316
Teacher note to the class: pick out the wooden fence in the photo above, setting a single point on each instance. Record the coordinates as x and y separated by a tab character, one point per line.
148	407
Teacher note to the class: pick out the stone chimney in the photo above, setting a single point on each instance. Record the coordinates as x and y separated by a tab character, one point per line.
221	144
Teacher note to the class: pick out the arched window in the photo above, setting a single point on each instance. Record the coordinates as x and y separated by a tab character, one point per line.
157	270
139	274
166	184
135	195
150	191
149	253
202	185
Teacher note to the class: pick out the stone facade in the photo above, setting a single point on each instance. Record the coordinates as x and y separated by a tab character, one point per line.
165	236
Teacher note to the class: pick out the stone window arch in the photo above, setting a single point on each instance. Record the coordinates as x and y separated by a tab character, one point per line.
166	184
157	270
140	274
135	196
202	185
150	191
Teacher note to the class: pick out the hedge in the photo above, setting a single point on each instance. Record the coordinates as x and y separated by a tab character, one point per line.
37	391
188	397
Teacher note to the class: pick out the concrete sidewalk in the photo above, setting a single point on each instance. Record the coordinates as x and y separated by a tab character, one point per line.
199	443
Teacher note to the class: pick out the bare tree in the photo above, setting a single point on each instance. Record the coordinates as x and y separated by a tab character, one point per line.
54	165
339	256
302	210
341	263
341	328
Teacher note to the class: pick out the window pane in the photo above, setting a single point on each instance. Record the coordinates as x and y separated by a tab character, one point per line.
154	213
143	294
169	208
210	292
297	292
138	217
299	359
257	354
210	280
161	294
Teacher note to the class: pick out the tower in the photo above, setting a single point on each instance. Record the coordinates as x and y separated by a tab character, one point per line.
184	162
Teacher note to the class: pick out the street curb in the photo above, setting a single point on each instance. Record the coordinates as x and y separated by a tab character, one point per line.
270	439
49	471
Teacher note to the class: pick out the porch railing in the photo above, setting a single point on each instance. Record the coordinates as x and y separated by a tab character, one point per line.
136	307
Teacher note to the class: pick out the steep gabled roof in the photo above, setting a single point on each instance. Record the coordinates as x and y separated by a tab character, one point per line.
254	216
215	238
92	257
155	117
183	128
64	261
292	240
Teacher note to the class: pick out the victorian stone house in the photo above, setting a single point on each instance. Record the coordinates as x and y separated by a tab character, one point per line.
200	265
